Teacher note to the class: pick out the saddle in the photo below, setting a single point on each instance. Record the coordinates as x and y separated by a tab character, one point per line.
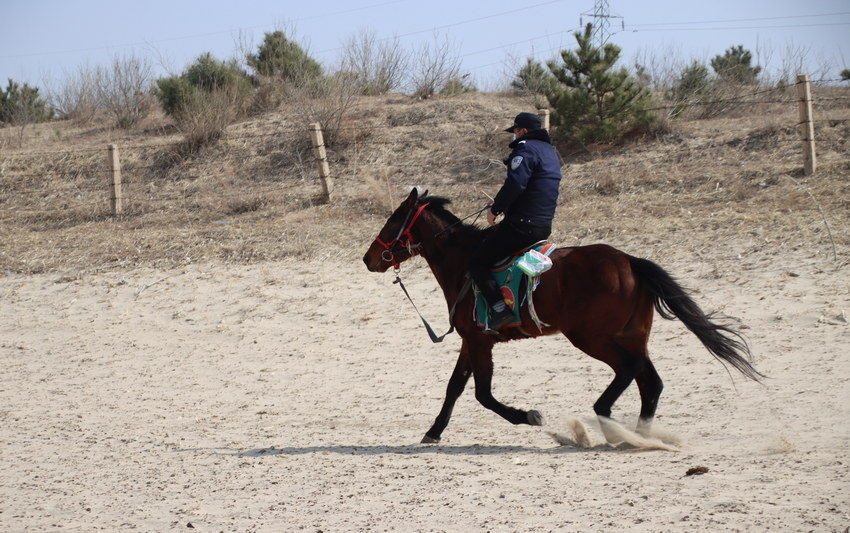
516	286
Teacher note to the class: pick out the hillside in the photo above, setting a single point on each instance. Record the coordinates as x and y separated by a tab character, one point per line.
731	186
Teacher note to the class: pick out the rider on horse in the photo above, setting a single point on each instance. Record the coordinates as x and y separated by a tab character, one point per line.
527	200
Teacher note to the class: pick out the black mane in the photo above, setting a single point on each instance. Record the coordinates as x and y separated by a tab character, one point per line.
437	206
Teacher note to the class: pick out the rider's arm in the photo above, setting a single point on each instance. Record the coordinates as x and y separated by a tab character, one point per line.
519	171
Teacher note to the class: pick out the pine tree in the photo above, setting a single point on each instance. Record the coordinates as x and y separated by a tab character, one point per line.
694	82
21	104
845	74
734	66
533	77
592	101
279	57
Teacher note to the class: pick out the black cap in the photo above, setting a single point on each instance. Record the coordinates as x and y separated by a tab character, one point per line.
529	121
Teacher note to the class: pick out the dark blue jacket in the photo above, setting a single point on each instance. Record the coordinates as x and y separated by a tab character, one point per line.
530	191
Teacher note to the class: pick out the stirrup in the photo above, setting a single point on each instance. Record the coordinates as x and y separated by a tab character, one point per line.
505	318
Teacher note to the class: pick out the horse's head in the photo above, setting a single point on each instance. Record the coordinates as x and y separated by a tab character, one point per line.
394	243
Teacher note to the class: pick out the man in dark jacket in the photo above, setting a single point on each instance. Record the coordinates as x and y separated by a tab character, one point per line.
527	200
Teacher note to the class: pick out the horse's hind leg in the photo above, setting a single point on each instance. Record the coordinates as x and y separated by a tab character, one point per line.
457	382
650	385
635	339
626	366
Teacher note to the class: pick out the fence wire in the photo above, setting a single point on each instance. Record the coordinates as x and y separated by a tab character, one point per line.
97	181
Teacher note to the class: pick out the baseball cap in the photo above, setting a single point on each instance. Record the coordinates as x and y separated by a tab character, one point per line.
529	121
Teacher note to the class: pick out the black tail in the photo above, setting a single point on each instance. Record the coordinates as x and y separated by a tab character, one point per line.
672	301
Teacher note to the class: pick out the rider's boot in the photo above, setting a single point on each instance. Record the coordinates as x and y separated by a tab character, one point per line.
500	315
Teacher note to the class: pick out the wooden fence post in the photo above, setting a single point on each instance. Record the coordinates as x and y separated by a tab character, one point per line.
116	194
321	160
806	126
544	117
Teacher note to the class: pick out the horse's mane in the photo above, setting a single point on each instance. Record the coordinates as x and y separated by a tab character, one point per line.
461	230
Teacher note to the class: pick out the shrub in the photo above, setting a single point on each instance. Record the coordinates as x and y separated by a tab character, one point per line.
208	96
76	98
174	93
268	95
434	65
282	58
658	68
209	73
123	89
21	105
591	101
458	85
734	66
327	100
534	78
694	82
280	65
845	74
376	67
205	115
206	74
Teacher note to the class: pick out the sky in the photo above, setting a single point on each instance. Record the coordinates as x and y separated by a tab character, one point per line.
43	40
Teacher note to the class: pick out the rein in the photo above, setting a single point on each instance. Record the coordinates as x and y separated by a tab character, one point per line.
405	239
467	217
434	338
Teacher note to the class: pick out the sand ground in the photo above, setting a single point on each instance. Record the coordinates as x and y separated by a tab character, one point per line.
289	396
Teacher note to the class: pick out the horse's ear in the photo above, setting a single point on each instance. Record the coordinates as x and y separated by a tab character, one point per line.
413	196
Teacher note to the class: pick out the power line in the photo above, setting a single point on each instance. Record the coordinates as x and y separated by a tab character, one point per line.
549	51
500	47
453	24
737	20
207	34
778	27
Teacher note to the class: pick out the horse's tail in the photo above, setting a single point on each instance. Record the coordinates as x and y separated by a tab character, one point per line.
672	301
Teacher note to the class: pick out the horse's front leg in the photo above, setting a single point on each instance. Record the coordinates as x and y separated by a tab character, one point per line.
455	387
481	358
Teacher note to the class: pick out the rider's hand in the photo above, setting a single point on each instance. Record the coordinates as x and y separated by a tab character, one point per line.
491	218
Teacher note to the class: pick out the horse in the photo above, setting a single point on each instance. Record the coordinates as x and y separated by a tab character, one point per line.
600	298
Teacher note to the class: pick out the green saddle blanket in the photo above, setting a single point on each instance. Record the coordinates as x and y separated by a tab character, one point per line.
516	287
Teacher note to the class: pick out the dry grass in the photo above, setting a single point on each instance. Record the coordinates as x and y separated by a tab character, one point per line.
731	183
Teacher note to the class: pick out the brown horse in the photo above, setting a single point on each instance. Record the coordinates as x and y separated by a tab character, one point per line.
599	297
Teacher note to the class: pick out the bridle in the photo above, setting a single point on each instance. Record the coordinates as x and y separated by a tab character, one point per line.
404	239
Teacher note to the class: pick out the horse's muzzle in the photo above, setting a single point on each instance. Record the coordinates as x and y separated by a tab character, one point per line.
371	264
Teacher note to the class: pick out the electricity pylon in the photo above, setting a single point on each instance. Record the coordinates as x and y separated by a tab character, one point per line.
602	17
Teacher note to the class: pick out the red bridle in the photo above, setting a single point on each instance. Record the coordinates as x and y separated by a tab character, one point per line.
403	239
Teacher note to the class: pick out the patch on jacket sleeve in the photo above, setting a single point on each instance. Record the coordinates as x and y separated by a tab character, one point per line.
516	162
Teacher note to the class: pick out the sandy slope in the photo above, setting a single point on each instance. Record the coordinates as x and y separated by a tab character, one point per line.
290	396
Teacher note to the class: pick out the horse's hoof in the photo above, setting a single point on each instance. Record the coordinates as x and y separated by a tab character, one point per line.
429	440
535	418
